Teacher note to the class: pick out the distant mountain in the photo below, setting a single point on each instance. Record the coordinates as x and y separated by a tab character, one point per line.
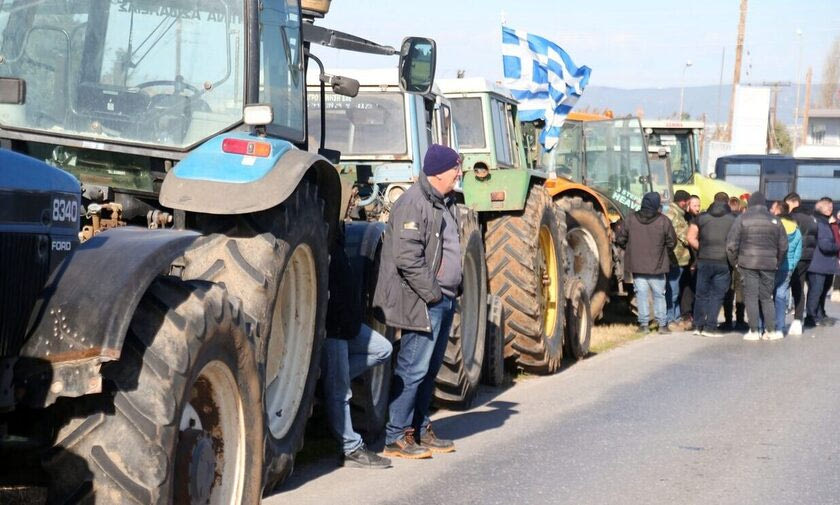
665	102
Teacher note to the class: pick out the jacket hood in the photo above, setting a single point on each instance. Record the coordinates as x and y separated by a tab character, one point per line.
718	209
647	216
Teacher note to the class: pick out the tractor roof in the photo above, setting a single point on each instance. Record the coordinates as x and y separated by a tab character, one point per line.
473	85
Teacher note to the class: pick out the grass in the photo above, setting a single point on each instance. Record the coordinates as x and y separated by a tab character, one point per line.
617	327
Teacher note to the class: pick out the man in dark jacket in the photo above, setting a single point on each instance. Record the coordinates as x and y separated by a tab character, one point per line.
350	349
707	235
419	278
648	237
807	224
823	264
757	245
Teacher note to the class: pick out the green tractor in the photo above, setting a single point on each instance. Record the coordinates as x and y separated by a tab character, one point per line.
383	134
173	356
548	217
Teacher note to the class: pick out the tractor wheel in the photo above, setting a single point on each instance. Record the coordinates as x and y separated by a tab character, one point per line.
458	378
493	369
180	420
276	262
589	250
526	267
578	320
369	403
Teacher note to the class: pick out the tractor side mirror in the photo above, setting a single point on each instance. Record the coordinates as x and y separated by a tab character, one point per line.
418	57
344	86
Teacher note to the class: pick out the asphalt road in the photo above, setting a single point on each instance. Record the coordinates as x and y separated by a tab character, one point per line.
673	419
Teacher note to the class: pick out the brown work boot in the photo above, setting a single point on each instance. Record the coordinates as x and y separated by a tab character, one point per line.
406	447
439	445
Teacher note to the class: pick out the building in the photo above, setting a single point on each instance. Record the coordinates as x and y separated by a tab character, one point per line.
822	138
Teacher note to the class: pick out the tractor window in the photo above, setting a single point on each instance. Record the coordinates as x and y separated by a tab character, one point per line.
281	78
445	127
679	144
125	70
371	124
566	157
469	121
501	133
617	164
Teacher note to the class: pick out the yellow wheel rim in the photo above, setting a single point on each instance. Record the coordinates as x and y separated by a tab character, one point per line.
549	277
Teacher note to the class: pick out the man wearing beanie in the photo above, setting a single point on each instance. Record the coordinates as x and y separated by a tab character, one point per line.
648	238
757	245
419	278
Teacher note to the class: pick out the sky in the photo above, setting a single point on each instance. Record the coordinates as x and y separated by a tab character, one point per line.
628	44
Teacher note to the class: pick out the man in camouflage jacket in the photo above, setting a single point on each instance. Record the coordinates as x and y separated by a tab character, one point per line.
680	257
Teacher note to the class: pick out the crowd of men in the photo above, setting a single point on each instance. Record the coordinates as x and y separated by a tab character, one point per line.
687	264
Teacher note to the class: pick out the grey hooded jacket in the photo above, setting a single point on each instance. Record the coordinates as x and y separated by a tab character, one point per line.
412	250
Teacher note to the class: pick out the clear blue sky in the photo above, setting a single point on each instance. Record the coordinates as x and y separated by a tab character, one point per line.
627	44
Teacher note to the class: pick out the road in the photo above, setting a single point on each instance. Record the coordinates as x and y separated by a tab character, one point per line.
670	419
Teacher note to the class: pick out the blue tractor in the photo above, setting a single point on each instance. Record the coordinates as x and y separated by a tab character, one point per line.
173	356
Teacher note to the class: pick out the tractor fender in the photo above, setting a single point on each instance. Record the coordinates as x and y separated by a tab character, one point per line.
212	181
83	313
559	188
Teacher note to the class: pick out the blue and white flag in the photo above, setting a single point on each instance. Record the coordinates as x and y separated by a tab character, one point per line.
543	78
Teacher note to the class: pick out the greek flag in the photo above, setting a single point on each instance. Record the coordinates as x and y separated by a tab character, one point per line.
543	78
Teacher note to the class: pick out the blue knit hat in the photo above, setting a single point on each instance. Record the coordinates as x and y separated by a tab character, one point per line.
439	159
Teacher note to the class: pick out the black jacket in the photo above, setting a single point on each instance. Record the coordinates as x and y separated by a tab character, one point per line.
411	256
808	228
344	311
648	239
757	240
714	227
824	260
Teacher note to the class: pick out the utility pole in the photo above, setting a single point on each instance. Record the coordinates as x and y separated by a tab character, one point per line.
739	49
807	106
773	142
720	87
798	86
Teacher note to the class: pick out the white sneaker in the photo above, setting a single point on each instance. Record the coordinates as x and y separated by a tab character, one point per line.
774	335
795	327
752	336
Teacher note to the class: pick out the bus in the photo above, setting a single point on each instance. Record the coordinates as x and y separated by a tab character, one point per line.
776	176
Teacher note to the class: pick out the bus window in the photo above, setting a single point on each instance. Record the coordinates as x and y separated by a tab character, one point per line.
814	181
745	175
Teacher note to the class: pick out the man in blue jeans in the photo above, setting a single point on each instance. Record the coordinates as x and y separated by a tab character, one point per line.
788	266
648	238
350	349
419	279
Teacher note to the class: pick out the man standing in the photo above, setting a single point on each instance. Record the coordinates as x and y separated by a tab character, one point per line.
349	350
419	278
735	295
807	224
823	264
680	258
707	235
648	237
756	245
785	272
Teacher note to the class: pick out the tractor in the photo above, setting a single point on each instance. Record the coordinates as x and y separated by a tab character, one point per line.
172	356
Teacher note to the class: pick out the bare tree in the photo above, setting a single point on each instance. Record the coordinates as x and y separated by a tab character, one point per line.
831	77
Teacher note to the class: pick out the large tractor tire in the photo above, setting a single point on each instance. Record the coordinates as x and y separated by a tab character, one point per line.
459	376
526	267
493	368
369	404
276	262
578	320
180	420
589	253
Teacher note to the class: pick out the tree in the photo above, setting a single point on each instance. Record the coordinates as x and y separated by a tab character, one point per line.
831	77
783	141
